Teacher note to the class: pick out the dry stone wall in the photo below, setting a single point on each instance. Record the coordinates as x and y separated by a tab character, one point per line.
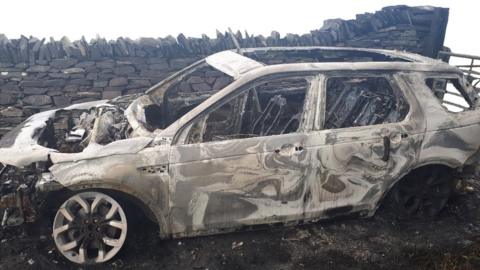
39	74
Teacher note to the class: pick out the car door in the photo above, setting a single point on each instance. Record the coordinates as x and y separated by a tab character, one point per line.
233	163
368	131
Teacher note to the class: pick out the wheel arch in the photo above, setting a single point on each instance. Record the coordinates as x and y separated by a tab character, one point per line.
54	199
437	164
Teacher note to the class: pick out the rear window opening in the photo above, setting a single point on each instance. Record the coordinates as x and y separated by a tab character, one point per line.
451	94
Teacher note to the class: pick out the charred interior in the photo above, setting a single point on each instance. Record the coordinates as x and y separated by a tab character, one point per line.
269	108
362	101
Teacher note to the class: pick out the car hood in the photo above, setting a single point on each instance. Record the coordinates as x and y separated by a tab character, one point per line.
20	147
127	146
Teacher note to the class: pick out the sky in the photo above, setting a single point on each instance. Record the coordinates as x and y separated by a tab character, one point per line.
148	18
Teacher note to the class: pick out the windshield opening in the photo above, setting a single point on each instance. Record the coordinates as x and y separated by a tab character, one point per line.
182	92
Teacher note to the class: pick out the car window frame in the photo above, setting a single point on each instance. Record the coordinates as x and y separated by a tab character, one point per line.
391	77
180	135
449	76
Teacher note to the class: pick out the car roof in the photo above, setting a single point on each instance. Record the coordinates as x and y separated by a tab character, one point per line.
241	61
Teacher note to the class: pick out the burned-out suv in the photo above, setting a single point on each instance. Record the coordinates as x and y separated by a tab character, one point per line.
242	138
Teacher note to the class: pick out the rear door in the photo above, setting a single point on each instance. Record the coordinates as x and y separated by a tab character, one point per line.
368	131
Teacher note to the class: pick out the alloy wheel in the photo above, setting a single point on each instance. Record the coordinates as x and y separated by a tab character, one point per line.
90	227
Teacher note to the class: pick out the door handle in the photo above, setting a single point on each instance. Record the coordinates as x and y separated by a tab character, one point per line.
386	148
296	148
299	148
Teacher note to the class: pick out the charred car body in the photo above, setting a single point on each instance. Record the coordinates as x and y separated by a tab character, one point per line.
320	133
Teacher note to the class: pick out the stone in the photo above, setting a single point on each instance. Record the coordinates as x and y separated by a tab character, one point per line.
96	89
195	79
106	70
179	63
118	81
58	75
13	74
71	88
63	63
54	93
160	66
114	88
31	83
185	87
62	100
34	90
111	94
123	62
88	94
6	65
10	88
221	82
73	70
156	60
100	83
38	69
138	84
124	70
37	100
152	73
210	80
106	64
55	82
77	76
42	76
23	49
82	100
201	87
12	120
21	66
92	76
83	82
105	76
11	112
85	64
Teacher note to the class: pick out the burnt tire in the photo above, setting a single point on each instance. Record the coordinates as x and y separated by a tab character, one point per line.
422	194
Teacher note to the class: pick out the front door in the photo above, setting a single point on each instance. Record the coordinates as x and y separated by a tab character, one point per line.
235	163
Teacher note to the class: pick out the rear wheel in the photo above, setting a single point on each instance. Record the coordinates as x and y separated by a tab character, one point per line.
423	193
90	227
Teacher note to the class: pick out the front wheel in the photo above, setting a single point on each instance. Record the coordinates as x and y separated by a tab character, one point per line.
89	228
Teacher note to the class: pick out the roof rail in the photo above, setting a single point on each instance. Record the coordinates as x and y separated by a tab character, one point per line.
471	70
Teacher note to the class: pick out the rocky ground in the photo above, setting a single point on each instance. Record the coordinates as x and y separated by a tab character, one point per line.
452	241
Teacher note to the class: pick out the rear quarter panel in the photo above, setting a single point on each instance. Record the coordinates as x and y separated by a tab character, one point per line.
451	139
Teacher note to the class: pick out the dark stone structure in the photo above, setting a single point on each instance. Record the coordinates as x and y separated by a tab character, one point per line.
36	74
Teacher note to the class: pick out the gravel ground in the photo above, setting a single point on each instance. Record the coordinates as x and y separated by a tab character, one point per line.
452	241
